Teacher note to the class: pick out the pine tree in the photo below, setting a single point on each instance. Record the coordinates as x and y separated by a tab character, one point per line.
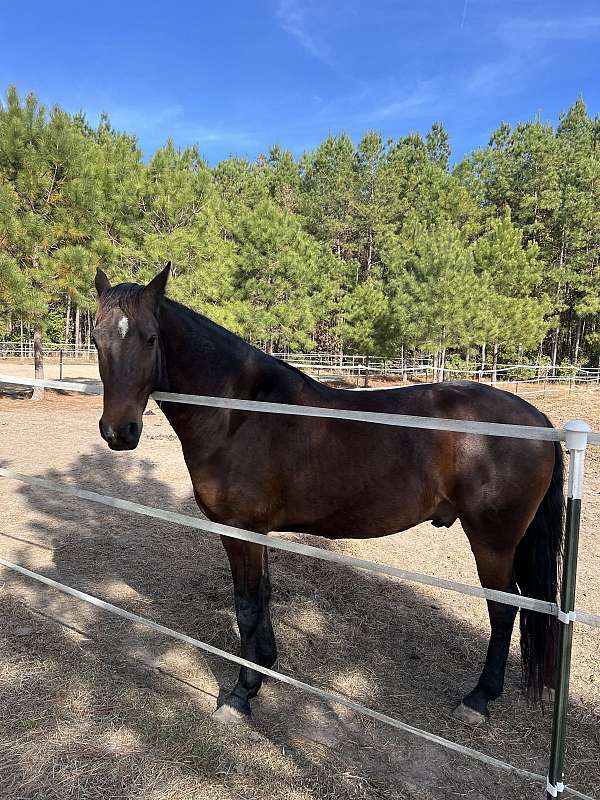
43	157
514	308
283	280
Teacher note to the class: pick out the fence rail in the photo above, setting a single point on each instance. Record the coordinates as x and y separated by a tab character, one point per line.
283	678
576	435
18	350
277	543
394	420
424	366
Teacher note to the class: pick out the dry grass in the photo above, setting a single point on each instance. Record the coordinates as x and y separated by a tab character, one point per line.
92	707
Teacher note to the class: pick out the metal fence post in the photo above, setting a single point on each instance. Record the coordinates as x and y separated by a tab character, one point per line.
576	443
60	368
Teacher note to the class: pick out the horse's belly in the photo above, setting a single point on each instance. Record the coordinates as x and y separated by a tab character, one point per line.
338	509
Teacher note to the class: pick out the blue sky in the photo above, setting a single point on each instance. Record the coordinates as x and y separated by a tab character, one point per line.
236	77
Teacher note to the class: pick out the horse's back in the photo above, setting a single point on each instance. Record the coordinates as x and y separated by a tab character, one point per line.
450	399
358	478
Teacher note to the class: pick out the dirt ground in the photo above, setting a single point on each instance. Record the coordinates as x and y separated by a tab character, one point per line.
94	707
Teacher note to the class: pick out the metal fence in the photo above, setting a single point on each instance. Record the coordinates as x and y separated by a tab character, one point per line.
52	351
327	365
360	368
576	435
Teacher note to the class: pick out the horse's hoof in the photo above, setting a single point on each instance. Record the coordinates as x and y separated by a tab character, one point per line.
550	693
469	715
228	715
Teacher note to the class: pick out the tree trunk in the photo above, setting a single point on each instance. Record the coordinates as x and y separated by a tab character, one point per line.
555	349
38	359
370	253
442	364
580	329
88	330
68	320
403	362
77	331
495	364
539	361
482	361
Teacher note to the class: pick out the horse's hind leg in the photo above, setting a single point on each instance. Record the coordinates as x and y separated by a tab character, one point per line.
252	589
495	568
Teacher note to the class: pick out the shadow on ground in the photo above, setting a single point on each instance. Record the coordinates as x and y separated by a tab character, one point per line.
95	707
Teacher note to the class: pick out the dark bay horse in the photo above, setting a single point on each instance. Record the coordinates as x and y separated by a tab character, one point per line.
337	478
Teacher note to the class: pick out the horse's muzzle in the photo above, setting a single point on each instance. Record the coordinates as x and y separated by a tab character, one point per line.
125	437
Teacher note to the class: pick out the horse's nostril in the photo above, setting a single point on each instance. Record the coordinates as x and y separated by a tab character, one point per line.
106	431
132	429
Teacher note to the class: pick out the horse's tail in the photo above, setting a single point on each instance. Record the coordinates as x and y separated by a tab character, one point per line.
537	563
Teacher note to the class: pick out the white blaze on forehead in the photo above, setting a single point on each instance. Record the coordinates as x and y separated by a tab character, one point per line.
123	326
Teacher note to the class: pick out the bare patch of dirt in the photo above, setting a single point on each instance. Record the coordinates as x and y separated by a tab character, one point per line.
94	707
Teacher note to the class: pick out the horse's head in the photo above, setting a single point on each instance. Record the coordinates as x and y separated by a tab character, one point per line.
127	337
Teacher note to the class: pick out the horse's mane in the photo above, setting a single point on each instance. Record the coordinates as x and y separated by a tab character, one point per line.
126	296
211	328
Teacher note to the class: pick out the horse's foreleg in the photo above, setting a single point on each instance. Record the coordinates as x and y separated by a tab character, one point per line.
495	570
252	590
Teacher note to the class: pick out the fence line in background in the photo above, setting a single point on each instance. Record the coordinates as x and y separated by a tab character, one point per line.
339	364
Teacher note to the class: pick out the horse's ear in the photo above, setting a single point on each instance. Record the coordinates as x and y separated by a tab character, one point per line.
101	282
156	288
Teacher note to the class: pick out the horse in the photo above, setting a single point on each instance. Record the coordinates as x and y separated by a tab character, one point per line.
337	478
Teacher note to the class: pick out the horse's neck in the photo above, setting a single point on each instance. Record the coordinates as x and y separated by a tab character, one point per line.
204	359
201	357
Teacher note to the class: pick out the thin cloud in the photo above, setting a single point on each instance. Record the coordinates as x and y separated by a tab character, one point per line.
521	32
464	14
494	77
526	50
296	19
191	132
407	106
137	119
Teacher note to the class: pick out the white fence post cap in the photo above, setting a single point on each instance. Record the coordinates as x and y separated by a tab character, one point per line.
576	437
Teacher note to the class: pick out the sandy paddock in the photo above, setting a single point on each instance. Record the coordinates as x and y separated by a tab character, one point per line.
94	707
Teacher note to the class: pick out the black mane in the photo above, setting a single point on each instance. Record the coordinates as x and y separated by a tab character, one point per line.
126	296
212	329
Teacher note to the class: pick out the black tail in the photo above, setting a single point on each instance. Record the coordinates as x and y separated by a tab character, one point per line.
537	563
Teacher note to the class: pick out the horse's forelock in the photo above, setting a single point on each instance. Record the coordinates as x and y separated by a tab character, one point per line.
127	297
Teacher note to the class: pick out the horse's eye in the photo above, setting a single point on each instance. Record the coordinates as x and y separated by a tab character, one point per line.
152	339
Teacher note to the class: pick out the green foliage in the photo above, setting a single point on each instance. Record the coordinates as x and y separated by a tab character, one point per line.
369	247
513	307
278	278
364	319
435	290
